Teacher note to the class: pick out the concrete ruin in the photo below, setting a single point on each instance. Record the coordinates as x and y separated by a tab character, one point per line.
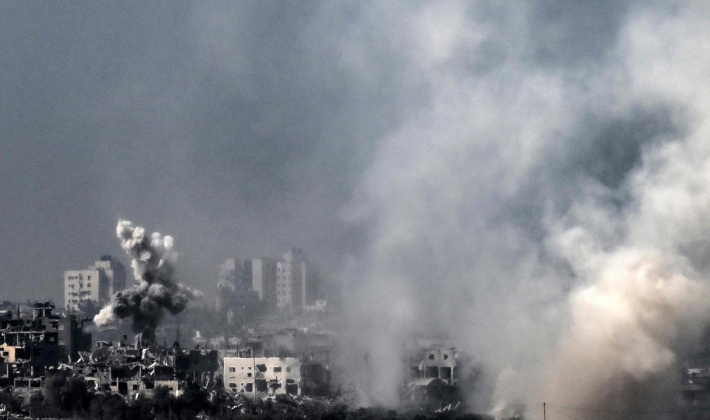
30	345
433	381
273	376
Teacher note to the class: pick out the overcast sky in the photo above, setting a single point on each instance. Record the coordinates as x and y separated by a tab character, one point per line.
246	128
234	127
243	128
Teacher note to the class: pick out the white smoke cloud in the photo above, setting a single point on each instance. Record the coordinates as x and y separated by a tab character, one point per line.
547	212
156	290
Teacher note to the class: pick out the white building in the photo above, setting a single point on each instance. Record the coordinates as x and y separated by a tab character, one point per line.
264	279
296	281
96	283
266	375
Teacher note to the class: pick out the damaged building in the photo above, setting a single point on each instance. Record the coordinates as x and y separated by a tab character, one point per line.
130	370
274	375
33	344
433	378
284	362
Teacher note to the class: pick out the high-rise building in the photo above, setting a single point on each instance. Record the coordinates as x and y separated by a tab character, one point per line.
288	283
264	280
235	286
96	283
297	281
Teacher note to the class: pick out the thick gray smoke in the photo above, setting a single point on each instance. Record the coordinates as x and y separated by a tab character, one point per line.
544	202
156	290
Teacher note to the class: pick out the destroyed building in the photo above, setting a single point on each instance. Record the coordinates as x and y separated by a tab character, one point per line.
433	378
289	342
285	362
275	375
33	344
438	363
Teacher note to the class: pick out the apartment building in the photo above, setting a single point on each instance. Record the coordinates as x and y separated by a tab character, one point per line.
96	283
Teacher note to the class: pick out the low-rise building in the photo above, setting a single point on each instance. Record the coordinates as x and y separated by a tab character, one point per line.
266	375
275	375
438	363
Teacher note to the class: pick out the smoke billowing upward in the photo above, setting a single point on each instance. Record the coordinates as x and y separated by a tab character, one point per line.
156	290
546	206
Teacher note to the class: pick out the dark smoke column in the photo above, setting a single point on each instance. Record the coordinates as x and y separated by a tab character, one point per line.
156	291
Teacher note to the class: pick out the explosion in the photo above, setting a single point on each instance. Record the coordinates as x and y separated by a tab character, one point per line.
155	291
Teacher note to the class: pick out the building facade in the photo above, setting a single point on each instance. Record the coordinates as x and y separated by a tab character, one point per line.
264	280
286	283
96	283
235	286
268	375
30	344
297	281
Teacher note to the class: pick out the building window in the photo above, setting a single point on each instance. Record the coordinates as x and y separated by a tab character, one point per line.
232	385
277	368
232	369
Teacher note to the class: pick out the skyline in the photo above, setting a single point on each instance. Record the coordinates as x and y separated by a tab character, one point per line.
115	112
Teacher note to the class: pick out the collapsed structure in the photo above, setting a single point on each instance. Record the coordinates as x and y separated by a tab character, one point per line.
130	370
43	340
434	380
43	344
36	347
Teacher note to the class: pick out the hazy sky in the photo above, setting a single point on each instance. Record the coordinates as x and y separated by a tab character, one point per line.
245	128
234	127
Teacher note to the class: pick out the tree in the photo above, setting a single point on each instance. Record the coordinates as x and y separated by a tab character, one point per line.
10	401
108	407
163	402
67	394
192	401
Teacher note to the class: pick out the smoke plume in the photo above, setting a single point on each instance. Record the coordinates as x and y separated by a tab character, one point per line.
544	203
155	291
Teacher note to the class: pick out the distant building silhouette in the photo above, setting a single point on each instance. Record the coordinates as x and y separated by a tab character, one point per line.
287	283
